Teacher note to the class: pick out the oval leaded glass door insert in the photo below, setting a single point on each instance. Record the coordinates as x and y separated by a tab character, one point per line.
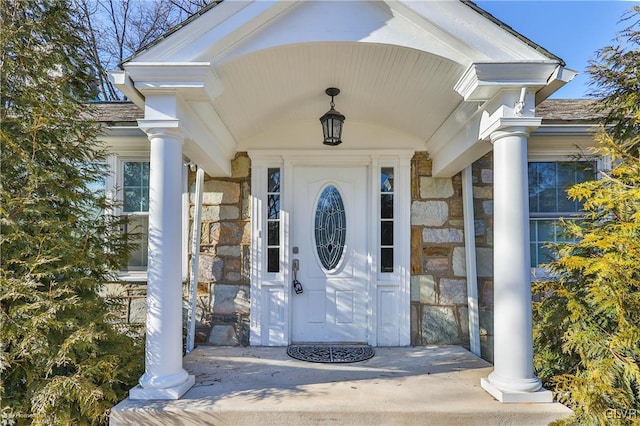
330	227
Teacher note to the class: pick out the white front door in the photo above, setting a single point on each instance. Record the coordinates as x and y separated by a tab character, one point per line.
329	219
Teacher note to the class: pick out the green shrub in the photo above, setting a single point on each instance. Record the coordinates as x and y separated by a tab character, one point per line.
62	359
587	319
587	331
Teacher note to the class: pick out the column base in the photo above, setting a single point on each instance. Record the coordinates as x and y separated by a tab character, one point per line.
540	396
173	392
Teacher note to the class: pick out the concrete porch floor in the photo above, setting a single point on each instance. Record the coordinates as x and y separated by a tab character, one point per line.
398	386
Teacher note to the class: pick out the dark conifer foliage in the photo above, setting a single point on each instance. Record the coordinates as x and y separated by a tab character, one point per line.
62	360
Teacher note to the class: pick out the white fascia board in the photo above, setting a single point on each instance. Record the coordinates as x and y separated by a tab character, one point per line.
482	38
483	80
457	150
122	131
461	118
125	139
450	46
192	79
121	80
207	142
216	31
210	144
563	140
171	46
566	130
463	138
559	78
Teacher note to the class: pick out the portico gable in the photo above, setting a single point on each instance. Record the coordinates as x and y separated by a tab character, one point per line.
442	79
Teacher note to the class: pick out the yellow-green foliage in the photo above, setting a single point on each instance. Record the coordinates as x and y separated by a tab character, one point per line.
588	319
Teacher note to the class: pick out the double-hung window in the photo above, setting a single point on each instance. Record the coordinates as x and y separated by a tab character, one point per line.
133	187
548	202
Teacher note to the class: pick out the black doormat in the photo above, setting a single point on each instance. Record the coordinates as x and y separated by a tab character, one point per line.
331	353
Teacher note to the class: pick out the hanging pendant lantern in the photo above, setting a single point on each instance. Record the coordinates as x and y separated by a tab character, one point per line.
332	121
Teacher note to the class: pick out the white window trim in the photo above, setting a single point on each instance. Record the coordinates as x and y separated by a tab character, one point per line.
114	184
536	156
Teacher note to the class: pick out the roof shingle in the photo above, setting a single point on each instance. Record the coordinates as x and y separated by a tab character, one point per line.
569	110
116	113
551	110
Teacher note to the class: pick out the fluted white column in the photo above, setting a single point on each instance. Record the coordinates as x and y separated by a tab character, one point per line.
512	379
164	377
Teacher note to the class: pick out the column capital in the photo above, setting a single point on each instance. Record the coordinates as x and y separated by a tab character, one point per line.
518	131
510	126
162	128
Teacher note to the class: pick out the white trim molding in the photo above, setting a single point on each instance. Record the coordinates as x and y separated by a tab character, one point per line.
271	292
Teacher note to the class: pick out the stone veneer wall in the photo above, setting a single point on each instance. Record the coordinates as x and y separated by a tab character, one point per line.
131	302
439	313
439	309
224	265
483	212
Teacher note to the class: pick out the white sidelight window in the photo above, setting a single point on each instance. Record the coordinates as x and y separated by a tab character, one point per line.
273	220
386	219
548	202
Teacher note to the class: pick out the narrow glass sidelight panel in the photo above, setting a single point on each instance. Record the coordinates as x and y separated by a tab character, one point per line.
273	220
386	259
387	222
386	233
273	177
386	179
330	227
273	234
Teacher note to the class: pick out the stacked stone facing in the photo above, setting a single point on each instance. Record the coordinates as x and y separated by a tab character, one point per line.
439	313
223	299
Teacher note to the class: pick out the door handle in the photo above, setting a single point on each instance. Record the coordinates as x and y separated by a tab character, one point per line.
297	285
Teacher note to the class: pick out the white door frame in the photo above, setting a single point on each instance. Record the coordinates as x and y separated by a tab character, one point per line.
388	293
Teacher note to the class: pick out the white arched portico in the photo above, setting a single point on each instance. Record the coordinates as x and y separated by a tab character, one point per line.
439	77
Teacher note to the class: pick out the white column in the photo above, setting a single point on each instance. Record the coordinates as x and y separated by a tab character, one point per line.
512	379
164	377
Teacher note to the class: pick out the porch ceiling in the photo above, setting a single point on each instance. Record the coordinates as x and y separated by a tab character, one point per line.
395	87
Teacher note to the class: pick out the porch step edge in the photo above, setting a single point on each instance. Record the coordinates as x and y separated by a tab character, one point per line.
303	418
